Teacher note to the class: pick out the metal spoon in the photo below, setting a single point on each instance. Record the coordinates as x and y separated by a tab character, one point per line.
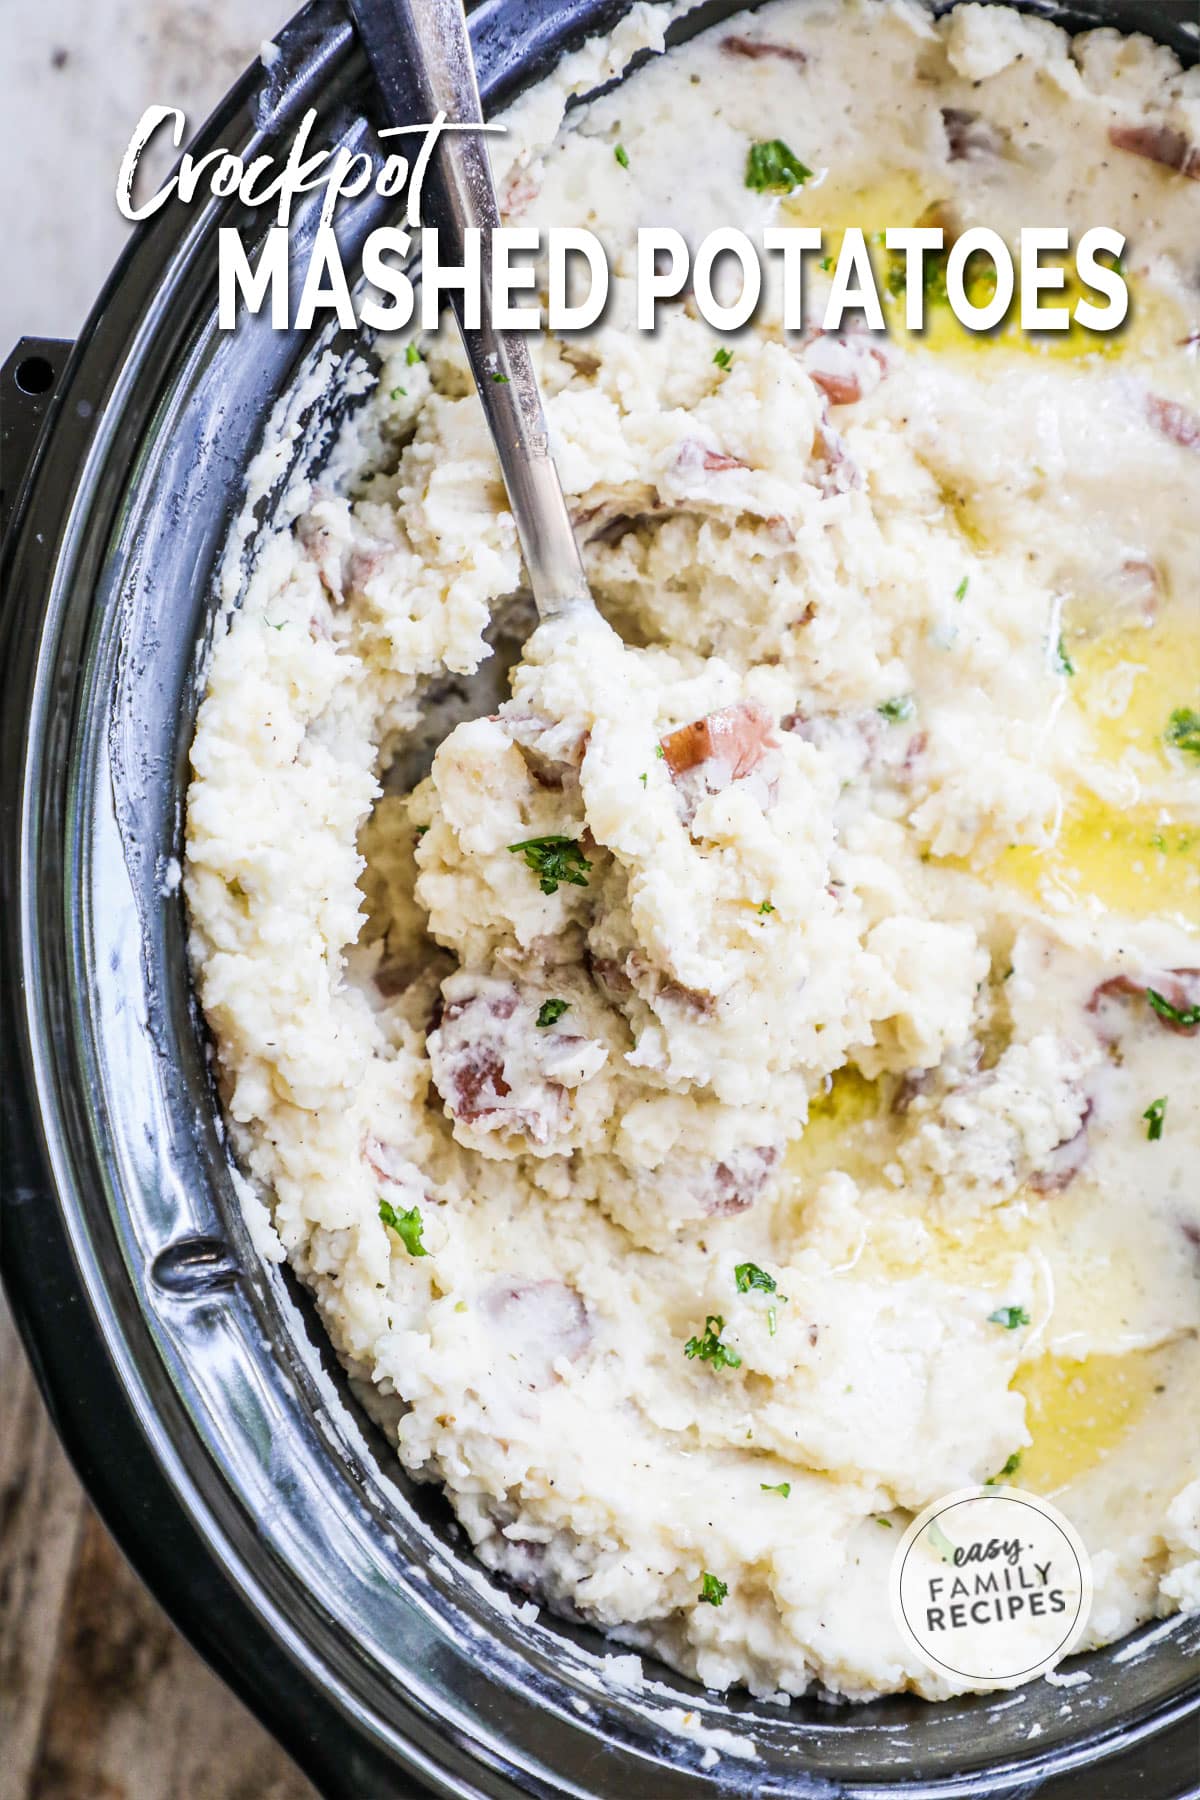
420	50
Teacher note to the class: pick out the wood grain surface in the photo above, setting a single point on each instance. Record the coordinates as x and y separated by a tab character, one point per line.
100	1697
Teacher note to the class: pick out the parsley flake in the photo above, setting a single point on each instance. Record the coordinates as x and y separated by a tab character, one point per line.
1183	730
412	355
1186	1016
723	357
712	1591
709	1347
960	592
1155	1117
399	393
1009	1316
826	263
496	376
783	1488
408	1227
550	1010
897	710
772	1322
748	1275
553	860
622	155
1010	1468
642	778
764	906
880	1520
1062	662
771	168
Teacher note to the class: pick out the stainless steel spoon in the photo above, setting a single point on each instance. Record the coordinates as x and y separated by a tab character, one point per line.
420	50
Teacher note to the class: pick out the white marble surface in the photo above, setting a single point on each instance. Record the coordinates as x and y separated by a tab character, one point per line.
75	76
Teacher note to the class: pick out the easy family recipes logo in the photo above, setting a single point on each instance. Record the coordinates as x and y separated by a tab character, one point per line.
991	1586
559	278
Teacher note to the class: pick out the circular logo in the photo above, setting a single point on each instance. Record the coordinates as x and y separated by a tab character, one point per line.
991	1586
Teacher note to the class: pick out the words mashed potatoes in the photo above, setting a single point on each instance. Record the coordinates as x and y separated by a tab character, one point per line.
748	1088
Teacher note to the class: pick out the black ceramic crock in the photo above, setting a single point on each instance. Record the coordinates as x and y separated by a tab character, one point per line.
192	1384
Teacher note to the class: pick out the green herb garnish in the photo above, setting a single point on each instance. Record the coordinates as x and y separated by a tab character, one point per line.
897	710
1062	662
622	155
723	357
880	1520
709	1347
960	592
771	168
1009	1316
772	1325
764	906
496	376
399	393
712	1591
1183	730
1010	1468
748	1275
554	860
780	1487
826	263
1186	1016
550	1010
412	355
1155	1117
408	1227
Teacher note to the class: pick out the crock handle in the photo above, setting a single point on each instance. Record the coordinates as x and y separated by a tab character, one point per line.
28	381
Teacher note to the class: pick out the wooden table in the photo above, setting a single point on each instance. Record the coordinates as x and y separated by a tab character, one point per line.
100	1697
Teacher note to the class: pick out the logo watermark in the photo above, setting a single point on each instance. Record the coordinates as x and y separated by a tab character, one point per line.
991	1586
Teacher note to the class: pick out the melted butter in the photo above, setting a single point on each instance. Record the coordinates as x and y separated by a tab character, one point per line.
1078	1412
1141	859
870	202
846	1130
1141	862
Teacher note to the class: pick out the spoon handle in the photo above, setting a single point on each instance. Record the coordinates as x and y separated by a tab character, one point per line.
420	54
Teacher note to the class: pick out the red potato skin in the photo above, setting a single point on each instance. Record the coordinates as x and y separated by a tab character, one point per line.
738	736
755	49
1175	421
1161	144
1181	987
839	390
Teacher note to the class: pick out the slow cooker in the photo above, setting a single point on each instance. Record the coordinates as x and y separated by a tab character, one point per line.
190	1381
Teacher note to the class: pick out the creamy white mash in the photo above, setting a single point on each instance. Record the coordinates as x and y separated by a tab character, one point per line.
748	1088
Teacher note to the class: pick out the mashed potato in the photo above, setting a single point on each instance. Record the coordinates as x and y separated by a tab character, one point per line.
747	1088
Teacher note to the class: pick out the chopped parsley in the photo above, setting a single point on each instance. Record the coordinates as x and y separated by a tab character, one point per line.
1062	662
897	710
550	1010
772	1324
1186	1016
748	1275
659	752
421	830
709	1347
1010	1468
622	155
407	1226
1155	1117
1009	1316
399	393
412	355
554	860
826	263
781	1487
712	1591
496	376
643	778
723	357
880	1520
1183	730
771	168
764	906
960	592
